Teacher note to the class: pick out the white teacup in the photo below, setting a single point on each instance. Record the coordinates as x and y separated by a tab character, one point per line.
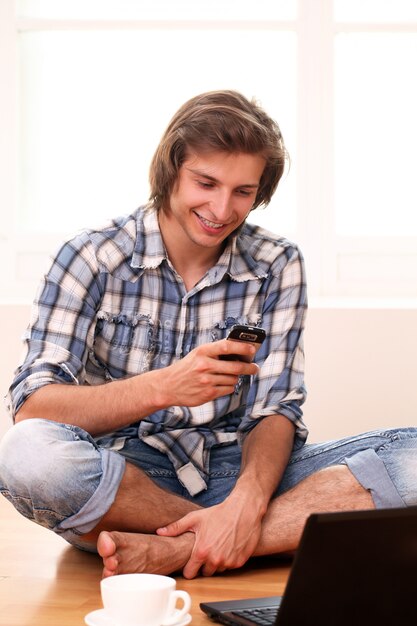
143	600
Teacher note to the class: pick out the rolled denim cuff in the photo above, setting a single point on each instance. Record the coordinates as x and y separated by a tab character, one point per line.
370	471
82	522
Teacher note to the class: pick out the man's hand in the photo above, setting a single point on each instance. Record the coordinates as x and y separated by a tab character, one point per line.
226	535
202	376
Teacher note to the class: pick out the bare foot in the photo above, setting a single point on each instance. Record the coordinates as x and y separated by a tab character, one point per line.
126	553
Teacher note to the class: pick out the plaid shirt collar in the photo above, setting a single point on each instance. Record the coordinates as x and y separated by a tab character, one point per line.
236	260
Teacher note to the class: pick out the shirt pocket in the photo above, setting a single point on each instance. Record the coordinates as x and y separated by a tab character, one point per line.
123	343
222	328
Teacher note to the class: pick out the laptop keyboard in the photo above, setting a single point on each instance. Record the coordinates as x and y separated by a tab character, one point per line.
263	617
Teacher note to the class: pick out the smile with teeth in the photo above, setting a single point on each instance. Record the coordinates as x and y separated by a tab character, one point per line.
208	223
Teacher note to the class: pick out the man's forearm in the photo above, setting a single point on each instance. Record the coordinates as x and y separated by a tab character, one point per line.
97	409
197	378
265	454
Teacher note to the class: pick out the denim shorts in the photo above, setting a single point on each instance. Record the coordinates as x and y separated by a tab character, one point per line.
57	476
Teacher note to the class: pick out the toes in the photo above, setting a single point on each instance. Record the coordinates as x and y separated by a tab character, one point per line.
106	573
106	546
111	563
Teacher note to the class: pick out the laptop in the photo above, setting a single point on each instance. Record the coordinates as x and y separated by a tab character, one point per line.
351	569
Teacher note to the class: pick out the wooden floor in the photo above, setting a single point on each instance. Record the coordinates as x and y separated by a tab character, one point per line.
46	582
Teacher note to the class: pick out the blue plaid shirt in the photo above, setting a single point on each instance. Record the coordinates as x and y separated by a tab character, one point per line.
113	306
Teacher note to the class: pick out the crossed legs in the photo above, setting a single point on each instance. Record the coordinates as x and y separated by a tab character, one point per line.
330	489
381	470
74	486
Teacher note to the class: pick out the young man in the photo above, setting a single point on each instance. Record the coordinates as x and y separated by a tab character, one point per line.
133	436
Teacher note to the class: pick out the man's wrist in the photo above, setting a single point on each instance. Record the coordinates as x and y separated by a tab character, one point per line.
258	495
149	391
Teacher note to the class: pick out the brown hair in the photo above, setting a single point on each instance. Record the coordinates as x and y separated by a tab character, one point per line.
223	121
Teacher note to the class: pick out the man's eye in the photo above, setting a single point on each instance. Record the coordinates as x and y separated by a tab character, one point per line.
244	192
205	185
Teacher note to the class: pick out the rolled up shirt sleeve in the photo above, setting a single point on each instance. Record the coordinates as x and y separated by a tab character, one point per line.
61	324
279	387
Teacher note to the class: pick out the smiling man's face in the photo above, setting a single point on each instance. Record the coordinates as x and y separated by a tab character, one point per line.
213	195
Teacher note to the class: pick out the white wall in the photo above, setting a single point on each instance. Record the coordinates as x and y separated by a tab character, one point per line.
361	370
361	367
13	320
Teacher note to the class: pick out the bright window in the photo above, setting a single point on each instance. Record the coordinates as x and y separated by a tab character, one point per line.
375	11
158	9
375	134
88	86
95	103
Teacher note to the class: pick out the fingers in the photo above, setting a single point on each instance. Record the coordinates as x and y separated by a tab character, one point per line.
226	348
202	376
192	568
210	570
174	529
203	562
204	566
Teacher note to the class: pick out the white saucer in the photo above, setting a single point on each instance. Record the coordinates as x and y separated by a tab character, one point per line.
184	621
100	618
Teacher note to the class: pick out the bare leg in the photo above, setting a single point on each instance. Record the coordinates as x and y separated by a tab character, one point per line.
141	506
331	489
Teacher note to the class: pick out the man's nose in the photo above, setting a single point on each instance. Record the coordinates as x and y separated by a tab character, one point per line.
223	205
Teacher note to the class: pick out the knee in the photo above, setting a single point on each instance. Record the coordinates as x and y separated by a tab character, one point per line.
29	454
43	466
19	448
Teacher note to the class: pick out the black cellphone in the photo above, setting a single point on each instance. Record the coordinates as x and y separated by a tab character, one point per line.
251	334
